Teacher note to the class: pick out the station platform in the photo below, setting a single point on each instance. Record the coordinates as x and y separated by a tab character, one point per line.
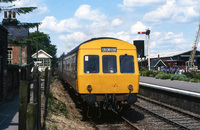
176	86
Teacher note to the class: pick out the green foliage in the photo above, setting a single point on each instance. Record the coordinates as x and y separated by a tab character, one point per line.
187	79
182	77
158	75
57	105
7	1
157	72
24	10
52	79
163	76
44	43
62	108
197	76
194	80
174	77
187	76
20	10
146	73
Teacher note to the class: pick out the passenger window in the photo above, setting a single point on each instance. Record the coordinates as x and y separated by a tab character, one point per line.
109	64
126	64
91	64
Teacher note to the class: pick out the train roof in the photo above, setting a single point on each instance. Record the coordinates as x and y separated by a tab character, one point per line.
93	39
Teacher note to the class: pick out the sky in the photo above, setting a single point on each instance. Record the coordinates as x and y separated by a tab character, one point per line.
173	23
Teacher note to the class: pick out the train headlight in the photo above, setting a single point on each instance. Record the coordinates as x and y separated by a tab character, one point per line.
89	88
130	87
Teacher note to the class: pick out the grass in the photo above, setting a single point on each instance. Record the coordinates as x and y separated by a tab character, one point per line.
57	106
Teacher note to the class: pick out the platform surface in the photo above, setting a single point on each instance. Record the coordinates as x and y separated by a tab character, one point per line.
182	85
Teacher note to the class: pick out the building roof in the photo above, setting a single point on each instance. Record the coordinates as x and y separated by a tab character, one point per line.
17	33
3	28
169	54
157	61
41	54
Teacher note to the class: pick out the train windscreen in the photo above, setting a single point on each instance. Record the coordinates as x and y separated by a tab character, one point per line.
126	64
91	64
109	64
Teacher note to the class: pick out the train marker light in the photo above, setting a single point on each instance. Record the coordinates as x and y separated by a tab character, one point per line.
89	88
130	87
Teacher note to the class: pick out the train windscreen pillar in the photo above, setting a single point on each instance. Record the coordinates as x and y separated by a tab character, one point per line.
140	47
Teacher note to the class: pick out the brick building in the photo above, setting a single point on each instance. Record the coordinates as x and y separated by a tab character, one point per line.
18	51
13	50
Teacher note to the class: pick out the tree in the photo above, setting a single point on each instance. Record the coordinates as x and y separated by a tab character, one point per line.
20	10
44	43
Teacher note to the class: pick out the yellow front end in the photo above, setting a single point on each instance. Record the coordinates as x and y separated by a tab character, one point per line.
107	83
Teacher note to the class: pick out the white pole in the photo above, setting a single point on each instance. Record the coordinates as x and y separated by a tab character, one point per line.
148	54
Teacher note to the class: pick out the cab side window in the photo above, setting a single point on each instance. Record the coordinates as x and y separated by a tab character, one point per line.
91	64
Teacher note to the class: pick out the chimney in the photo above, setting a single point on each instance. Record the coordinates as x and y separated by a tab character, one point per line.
158	56
5	15
9	18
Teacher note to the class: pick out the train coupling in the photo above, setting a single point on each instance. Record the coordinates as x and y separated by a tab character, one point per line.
131	98
90	99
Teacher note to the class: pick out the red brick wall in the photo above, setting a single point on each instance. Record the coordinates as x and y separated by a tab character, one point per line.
16	54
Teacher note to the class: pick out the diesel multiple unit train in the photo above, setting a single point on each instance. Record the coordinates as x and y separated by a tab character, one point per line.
103	72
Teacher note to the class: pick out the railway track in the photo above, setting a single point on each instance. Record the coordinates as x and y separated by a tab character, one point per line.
174	118
113	121
127	121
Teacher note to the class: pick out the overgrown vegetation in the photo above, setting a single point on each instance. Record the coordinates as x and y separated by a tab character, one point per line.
187	76
56	106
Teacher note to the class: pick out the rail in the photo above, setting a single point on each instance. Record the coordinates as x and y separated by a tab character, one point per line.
169	114
127	121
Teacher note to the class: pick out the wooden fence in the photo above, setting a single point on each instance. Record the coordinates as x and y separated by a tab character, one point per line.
30	116
10	78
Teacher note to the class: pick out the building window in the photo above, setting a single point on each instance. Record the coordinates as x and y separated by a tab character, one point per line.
46	62
9	56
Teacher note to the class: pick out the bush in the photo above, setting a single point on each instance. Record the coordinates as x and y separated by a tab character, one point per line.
197	76
158	75
158	72
149	72
182	77
151	75
189	74
194	80
174	77
163	76
187	79
146	73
